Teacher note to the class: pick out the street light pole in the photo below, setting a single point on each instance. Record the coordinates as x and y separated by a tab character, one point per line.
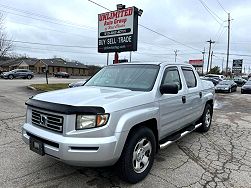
228	42
209	52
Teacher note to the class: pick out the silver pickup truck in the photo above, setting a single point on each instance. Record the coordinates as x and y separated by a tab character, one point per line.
123	115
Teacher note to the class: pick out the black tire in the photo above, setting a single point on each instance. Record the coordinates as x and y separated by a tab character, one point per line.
126	165
11	76
206	119
29	77
230	90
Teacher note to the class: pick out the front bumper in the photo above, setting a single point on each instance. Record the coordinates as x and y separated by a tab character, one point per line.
89	152
246	91
221	90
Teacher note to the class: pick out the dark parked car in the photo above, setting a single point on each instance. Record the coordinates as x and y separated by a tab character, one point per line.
62	75
18	73
239	81
226	86
246	88
77	84
215	81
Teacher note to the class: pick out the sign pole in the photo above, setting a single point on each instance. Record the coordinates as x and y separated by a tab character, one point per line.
107	59
116	58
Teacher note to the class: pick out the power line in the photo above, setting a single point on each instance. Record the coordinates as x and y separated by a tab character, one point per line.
233	54
99	5
47	44
56	50
147	28
43	16
49	29
221	6
44	20
46	17
219	36
156	32
214	15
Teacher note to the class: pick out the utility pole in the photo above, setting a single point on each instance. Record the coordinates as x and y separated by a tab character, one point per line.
175	55
203	58
209	52
211	60
228	42
130	56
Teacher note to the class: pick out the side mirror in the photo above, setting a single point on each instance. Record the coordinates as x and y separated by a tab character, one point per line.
169	89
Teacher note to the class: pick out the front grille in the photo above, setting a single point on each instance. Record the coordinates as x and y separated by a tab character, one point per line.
48	121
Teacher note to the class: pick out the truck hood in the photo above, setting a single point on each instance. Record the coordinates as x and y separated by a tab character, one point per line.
111	99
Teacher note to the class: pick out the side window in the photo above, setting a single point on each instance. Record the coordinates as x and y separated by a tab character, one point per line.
189	77
171	76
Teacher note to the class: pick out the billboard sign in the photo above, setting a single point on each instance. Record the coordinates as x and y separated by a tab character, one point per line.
118	30
196	62
237	66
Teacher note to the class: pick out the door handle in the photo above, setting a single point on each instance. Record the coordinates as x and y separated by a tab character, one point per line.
200	93
184	99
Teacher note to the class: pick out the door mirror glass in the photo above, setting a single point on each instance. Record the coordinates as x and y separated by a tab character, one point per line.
169	89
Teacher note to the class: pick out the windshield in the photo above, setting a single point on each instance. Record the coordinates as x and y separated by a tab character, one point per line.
133	77
226	82
248	83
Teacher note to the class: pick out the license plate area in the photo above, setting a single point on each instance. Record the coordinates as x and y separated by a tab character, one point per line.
37	146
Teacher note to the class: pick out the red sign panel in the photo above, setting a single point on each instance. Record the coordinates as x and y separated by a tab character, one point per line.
196	62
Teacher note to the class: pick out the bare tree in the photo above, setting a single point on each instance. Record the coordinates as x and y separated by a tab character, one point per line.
5	43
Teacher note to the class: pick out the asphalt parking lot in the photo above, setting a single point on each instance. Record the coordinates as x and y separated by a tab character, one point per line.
218	158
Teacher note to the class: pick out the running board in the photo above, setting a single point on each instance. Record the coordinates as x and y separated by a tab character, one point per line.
170	141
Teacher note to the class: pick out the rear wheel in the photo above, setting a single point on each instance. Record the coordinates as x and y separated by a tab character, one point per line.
206	119
138	155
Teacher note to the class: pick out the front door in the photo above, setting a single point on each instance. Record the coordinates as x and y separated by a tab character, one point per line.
171	105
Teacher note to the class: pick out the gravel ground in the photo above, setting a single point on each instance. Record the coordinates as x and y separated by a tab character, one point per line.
218	158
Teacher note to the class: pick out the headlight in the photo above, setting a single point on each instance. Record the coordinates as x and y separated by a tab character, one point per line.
91	121
226	88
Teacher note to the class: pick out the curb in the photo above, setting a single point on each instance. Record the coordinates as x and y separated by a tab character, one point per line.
32	88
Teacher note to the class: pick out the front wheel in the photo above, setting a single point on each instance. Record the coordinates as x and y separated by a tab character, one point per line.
29	77
11	76
138	155
206	119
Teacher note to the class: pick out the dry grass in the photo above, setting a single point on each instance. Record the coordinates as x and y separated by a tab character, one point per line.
50	87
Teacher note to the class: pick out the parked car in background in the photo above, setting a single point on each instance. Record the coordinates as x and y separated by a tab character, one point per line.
216	76
246	88
77	84
239	81
62	75
18	73
214	80
226	86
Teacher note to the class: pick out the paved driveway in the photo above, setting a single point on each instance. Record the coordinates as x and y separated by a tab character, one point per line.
219	158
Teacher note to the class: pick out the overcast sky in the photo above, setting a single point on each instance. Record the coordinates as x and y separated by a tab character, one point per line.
74	23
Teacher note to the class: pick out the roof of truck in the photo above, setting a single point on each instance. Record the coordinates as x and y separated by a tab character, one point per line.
154	63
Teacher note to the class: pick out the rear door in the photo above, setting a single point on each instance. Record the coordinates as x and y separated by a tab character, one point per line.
171	105
194	94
